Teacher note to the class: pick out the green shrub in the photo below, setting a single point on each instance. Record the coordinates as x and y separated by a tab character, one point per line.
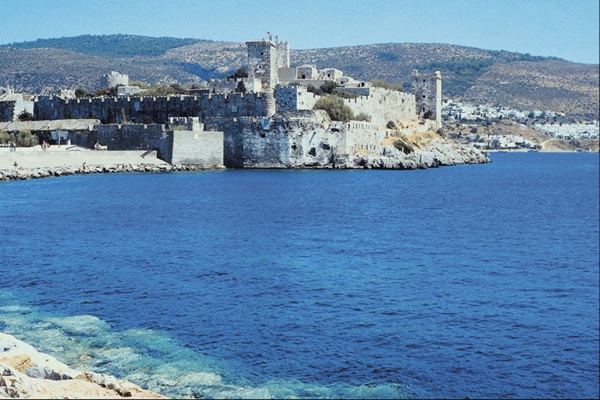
25	116
106	92
140	84
363	117
4	138
391	125
81	92
335	107
403	146
329	87
26	139
312	89
241	87
386	85
239	73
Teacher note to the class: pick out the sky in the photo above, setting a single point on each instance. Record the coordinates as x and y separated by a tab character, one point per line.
567	29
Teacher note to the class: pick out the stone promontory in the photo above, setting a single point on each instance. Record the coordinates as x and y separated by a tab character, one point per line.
27	373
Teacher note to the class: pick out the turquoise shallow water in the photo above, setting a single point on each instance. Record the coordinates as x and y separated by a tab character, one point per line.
478	281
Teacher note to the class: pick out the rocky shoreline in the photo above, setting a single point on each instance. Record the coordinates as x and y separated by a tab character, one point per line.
439	154
436	154
35	173
27	373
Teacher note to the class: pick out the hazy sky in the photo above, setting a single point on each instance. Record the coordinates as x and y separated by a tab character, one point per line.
561	28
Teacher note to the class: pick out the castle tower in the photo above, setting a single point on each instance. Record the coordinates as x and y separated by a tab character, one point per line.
262	63
428	95
283	53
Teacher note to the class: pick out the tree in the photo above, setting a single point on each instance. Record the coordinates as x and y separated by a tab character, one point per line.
335	107
81	92
26	139
312	89
329	87
363	117
106	92
239	73
241	87
25	116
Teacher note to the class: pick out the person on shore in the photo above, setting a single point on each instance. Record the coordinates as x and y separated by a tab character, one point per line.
13	147
16	164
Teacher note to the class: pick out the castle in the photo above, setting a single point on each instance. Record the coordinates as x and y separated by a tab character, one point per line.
263	120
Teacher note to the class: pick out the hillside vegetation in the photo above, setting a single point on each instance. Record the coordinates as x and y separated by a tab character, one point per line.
475	75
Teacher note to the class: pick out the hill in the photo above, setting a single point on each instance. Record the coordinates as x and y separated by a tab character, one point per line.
470	74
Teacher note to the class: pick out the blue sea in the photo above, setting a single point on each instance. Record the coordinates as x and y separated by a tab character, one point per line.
477	281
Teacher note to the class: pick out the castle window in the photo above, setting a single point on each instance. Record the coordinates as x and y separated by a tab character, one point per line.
424	96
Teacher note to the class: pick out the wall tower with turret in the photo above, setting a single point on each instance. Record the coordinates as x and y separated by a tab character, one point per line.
262	63
427	89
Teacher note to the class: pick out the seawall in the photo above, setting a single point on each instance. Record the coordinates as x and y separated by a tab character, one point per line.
68	160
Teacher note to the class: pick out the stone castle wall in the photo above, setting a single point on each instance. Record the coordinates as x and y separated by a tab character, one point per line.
7	111
428	94
384	105
10	110
307	139
197	148
262	63
146	109
174	146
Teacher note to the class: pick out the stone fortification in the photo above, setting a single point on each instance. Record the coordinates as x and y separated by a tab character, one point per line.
147	109
309	139
230	85
384	105
269	122
13	104
262	63
7	111
177	145
114	79
428	95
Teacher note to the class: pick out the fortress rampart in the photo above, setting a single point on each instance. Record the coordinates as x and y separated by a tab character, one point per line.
294	140
146	109
176	146
272	124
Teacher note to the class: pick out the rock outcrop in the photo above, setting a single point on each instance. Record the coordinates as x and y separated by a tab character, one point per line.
34	173
27	373
438	154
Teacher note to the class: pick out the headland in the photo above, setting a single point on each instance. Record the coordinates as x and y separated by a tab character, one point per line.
269	115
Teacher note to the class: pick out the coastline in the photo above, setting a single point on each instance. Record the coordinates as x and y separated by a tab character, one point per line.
27	373
33	163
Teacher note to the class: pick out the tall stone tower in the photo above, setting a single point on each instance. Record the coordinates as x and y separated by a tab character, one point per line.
428	95
283	53
262	63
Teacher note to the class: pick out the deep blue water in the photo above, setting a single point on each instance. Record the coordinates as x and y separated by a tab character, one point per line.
478	281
